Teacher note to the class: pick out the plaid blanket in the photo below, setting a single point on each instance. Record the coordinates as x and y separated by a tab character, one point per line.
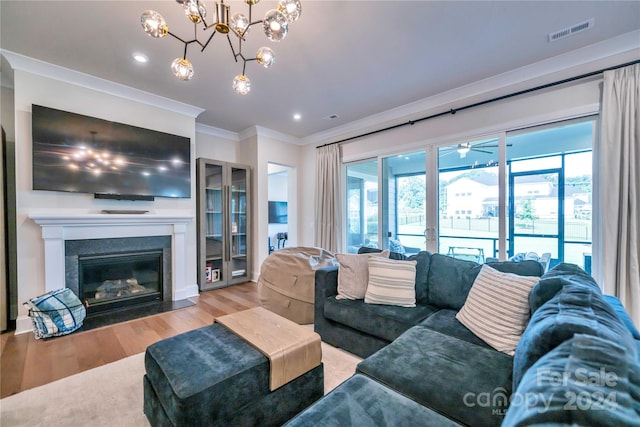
55	313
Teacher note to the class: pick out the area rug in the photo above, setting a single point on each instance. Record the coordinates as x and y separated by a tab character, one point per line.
111	395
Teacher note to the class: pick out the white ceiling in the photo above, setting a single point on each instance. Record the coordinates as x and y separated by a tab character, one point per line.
350	58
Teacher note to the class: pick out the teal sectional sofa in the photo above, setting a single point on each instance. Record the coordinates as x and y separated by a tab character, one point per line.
577	362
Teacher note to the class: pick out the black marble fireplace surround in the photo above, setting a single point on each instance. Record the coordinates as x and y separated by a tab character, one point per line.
75	250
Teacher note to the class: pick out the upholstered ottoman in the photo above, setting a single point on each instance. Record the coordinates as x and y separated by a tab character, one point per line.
210	376
360	401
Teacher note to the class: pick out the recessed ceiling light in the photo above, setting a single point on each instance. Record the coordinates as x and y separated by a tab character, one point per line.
297	116
140	57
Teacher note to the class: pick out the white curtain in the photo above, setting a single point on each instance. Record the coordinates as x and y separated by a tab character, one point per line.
328	206
619	193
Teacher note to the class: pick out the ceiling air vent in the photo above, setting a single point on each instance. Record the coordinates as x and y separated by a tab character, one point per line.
574	29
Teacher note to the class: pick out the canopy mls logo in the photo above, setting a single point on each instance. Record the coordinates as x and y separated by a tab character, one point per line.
584	389
581	376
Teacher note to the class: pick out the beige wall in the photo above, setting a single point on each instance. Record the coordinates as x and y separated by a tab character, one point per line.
34	89
6	112
306	195
258	151
215	147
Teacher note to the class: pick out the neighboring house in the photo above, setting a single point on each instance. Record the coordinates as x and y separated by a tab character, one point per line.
476	197
465	197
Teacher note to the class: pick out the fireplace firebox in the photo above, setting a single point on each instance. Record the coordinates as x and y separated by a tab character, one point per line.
111	281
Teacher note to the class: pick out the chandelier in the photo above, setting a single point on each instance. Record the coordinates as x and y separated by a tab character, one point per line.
275	25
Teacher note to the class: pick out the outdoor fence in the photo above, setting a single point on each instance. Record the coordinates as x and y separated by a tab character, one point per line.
574	229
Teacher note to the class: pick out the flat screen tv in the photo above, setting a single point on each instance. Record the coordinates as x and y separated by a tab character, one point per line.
82	154
277	212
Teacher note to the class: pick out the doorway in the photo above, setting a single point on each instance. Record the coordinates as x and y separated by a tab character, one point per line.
280	206
536	203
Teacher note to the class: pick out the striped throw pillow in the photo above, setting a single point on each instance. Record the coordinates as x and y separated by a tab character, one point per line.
353	274
497	308
391	282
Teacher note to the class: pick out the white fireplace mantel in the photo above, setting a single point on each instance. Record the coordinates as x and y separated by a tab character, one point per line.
57	228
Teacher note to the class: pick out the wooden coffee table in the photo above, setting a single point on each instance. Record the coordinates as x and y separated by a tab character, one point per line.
292	349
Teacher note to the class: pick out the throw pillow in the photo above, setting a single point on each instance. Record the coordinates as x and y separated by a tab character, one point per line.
55	313
497	308
396	246
353	274
391	282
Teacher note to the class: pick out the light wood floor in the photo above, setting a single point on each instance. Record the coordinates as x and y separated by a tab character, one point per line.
26	362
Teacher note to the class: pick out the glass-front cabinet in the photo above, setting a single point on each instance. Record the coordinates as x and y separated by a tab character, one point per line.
223	224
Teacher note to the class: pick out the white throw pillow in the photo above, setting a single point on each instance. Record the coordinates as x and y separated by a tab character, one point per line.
497	308
353	274
391	282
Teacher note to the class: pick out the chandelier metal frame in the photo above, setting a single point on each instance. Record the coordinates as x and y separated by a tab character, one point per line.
275	26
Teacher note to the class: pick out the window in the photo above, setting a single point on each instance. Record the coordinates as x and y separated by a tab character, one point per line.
542	204
362	205
403	201
468	224
553	163
547	194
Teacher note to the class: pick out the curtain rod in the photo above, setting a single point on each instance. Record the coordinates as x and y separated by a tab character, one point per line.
488	101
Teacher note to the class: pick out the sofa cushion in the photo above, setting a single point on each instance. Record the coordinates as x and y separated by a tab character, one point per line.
497	308
553	281
391	282
623	315
445	374
450	279
353	274
392	255
587	381
444	321
383	321
423	262
360	401
577	308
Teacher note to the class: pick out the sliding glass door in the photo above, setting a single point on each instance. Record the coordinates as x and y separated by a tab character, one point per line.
550	191
404	202
512	193
535	212
468	200
362	205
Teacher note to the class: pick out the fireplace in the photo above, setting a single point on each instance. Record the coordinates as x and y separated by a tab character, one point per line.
109	274
68	236
111	281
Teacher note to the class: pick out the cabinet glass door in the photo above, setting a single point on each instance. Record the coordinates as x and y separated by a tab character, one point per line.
238	223
214	224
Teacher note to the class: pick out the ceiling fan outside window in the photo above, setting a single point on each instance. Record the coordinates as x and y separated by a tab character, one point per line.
465	147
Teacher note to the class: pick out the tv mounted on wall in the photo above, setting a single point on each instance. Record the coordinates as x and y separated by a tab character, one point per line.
81	154
277	212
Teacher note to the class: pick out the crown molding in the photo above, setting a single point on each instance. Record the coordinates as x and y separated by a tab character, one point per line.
217	132
56	72
575	59
262	132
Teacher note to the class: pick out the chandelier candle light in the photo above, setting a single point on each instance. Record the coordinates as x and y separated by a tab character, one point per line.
275	25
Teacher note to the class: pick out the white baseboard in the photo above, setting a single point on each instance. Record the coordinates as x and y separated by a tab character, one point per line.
186	292
23	325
